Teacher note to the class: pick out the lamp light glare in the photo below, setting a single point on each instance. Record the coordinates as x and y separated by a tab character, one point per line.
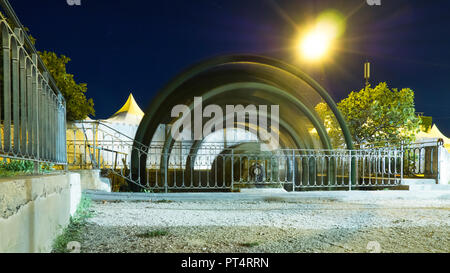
319	40
315	45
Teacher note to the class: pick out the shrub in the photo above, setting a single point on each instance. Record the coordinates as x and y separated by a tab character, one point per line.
17	166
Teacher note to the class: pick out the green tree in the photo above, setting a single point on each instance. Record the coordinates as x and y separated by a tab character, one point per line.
331	124
375	115
78	106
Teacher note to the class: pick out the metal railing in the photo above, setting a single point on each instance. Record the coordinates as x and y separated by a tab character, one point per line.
422	159
32	110
94	144
221	166
229	168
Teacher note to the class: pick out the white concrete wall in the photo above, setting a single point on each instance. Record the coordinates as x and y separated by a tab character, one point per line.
91	180
444	166
34	210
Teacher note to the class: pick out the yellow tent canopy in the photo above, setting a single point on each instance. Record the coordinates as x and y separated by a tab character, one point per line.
130	113
435	134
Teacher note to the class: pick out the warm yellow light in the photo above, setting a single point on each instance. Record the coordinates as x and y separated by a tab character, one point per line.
320	39
315	45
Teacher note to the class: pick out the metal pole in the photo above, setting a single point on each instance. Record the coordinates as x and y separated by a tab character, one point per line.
232	170
36	167
293	170
440	149
350	169
165	173
401	164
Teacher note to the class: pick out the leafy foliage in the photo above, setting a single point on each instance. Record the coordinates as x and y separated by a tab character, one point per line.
331	124
22	166
427	123
47	167
78	106
375	115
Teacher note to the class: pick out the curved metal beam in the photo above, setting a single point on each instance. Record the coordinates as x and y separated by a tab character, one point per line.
149	123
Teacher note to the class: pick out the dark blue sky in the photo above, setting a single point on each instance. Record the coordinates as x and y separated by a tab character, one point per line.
122	46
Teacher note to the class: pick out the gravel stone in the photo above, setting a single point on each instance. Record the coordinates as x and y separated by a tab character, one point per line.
224	226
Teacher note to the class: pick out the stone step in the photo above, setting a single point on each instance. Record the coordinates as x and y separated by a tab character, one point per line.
418	181
429	187
422	184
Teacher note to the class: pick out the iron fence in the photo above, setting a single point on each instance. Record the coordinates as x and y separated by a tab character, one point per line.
221	166
94	144
229	169
422	159
32	110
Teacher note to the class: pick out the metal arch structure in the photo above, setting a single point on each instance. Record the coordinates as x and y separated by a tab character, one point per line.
236	79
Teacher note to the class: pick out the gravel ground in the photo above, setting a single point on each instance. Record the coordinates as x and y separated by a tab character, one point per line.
270	225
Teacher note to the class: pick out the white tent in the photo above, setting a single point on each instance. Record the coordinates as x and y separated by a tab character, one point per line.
117	135
433	134
127	119
130	113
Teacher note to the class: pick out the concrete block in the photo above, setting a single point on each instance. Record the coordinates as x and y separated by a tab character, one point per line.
91	180
34	210
444	166
418	181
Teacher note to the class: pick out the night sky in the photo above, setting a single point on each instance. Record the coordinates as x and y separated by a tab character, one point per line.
118	47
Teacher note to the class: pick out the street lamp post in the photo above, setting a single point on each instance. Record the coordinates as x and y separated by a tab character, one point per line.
367	72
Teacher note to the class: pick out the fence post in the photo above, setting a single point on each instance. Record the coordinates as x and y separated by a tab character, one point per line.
402	157
293	170
36	167
232	170
165	173
440	149
350	171
98	159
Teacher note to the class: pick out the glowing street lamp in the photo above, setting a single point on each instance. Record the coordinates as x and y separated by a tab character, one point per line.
315	45
320	39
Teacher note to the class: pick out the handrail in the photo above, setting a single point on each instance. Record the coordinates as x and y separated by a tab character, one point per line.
111	128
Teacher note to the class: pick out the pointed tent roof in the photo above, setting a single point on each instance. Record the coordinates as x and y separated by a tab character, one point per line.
130	113
435	133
